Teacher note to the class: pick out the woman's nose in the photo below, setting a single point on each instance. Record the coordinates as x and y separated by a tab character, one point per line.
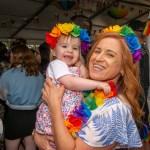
100	57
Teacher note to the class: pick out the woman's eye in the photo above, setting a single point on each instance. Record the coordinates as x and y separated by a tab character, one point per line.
97	52
110	55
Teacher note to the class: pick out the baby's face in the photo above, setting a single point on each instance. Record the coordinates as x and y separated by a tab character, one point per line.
68	50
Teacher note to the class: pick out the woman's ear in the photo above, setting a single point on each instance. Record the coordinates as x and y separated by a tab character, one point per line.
53	52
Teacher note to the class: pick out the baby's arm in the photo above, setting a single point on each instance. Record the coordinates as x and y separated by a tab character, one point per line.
60	71
81	84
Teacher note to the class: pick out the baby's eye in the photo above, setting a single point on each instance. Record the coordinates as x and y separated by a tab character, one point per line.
75	48
64	46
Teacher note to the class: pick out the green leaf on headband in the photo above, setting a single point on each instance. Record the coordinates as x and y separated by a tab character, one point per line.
126	30
76	31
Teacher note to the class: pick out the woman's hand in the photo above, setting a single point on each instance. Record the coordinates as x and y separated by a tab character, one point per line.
42	141
52	94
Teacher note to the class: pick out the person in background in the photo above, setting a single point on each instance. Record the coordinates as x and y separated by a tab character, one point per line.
4	65
144	129
83	21
148	47
112	124
4	59
21	89
42	55
20	41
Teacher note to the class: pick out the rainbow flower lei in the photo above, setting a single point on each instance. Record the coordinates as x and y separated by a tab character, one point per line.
81	114
130	38
69	29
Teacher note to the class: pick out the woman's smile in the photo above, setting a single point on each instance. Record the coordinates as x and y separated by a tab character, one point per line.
98	67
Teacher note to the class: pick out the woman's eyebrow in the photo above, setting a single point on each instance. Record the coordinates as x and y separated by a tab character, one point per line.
112	51
98	48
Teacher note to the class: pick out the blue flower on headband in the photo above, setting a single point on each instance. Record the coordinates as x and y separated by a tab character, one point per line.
132	42
84	36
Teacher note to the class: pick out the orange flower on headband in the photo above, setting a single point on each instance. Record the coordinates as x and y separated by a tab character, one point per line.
55	32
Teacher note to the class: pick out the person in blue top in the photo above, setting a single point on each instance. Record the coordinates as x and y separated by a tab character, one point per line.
21	89
107	121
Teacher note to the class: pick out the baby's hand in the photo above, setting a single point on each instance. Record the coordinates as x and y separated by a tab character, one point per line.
105	87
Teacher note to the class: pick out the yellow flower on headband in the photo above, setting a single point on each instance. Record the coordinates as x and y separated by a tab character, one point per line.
66	28
115	28
55	32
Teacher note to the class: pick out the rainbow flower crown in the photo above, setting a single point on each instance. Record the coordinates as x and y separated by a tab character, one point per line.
130	38
69	29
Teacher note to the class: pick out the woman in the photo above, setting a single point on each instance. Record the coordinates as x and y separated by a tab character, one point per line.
42	55
21	87
114	57
4	65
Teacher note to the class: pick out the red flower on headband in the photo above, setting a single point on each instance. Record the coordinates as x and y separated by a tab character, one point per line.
51	40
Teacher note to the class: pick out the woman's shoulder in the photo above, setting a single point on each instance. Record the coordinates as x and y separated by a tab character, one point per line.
117	101
8	72
113	106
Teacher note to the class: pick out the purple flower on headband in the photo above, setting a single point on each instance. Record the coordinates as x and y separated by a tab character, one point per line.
132	42
137	56
85	47
84	37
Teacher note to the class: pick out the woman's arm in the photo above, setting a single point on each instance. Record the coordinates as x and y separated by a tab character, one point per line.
63	139
3	93
42	141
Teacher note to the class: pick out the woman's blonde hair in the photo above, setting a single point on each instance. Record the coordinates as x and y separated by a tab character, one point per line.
129	83
22	56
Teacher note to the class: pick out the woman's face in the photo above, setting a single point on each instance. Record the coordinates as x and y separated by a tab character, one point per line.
105	64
